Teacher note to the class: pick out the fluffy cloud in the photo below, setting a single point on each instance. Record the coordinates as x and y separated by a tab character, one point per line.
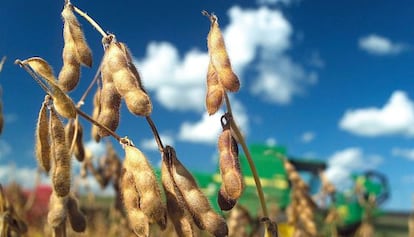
307	137
208	128
262	36
405	153
178	83
272	2
151	144
5	149
271	141
97	149
342	163
395	117
379	45
24	176
256	38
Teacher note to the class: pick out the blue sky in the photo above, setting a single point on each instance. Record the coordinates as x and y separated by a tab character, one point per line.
331	80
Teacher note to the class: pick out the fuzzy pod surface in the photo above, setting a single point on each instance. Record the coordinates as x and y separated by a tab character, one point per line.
220	58
176	208
60	155
42	146
145	181
196	202
232	179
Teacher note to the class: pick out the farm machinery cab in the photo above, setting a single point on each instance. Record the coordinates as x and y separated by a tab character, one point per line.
370	186
361	202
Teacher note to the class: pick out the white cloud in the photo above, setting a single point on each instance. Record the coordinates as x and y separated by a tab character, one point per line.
273	2
5	149
89	184
97	149
271	141
24	176
252	31
379	45
263	36
253	35
206	130
151	144
307	137
178	83
395	117
405	153
342	163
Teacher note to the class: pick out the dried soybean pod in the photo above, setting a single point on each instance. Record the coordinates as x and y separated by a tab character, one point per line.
57	210
215	91
76	218
63	103
196	202
69	132
110	103
42	147
79	147
117	61
219	56
60	155
138	102
176	208
41	67
138	221
146	185
224	201
229	165
69	75
84	54
95	114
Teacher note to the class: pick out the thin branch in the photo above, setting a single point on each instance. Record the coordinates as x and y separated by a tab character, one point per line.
75	134
95	79
246	151
156	134
112	133
33	75
3	60
90	20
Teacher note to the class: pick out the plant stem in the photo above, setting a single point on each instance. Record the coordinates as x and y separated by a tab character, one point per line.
246	151
82	99
156	134
90	20
33	75
112	133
